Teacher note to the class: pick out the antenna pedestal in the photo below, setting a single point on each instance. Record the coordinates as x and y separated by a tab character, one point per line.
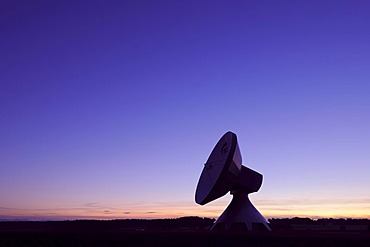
241	215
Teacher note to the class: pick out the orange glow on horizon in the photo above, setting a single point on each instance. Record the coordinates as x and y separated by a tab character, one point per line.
270	209
268	212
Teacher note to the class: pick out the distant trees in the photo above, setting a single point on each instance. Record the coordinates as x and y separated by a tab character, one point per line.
342	224
191	223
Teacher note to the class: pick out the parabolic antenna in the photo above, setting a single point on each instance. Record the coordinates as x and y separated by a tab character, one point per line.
224	172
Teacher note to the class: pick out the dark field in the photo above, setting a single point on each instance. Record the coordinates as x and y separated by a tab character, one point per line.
325	239
188	231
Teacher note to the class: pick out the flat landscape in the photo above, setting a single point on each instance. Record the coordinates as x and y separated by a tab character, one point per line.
192	238
172	233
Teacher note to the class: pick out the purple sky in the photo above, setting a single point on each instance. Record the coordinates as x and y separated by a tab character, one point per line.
110	109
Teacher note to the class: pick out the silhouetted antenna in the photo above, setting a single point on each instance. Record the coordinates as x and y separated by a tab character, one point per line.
224	172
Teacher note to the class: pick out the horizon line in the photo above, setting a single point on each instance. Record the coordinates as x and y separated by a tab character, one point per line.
87	218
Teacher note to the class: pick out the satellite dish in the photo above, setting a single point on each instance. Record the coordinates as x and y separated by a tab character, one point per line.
224	172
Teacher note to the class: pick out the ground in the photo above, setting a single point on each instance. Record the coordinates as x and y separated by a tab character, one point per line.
190	238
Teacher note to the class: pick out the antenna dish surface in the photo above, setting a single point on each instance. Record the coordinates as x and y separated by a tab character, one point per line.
220	171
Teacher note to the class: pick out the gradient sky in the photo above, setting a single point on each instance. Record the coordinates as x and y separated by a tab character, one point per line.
109	109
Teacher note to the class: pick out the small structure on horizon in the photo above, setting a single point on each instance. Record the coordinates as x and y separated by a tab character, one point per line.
224	172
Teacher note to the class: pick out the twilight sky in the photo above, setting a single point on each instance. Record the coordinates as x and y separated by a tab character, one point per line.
109	109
